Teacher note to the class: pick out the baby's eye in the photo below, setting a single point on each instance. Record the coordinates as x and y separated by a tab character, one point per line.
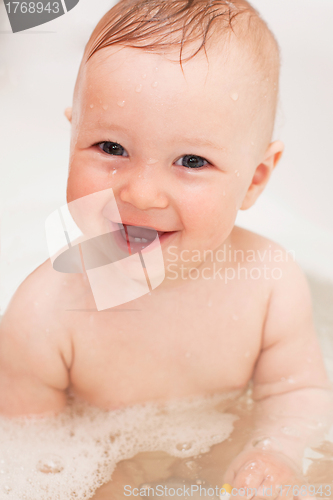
191	161
113	148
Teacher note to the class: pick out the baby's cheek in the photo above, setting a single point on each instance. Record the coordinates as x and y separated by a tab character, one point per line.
210	216
92	195
83	181
213	205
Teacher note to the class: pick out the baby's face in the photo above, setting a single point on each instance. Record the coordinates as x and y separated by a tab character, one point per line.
179	150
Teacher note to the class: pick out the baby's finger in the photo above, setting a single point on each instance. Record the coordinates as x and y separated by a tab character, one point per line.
250	482
269	489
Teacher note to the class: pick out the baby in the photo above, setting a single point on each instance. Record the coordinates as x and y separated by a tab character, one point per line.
174	110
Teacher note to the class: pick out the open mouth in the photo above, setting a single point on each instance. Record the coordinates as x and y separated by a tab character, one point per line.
136	238
138	234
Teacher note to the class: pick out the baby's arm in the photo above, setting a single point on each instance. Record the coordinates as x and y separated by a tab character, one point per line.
290	386
33	352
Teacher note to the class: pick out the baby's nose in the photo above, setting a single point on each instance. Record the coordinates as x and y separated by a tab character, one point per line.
145	188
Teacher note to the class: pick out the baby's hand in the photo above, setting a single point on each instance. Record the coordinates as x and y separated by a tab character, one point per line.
268	472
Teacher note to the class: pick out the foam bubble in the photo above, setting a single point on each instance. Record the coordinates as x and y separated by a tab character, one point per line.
72	454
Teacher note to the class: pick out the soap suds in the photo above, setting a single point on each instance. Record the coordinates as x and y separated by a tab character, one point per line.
74	453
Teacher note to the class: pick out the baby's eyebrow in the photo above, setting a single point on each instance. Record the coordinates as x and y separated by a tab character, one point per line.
193	141
103	126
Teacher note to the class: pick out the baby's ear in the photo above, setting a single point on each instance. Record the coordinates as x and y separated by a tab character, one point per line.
68	114
263	173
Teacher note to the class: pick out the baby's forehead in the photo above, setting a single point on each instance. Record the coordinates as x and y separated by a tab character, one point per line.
223	59
136	71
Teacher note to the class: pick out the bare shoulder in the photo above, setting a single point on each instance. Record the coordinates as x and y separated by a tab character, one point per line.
290	351
288	277
289	308
262	248
45	293
34	330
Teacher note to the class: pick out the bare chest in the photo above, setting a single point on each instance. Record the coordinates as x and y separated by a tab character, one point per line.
163	349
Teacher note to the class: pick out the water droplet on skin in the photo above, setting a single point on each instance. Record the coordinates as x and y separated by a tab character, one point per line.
154	84
121	103
114	171
105	106
234	96
138	88
184	446
50	464
91	105
237	173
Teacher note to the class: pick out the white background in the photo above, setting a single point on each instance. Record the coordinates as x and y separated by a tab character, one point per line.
37	74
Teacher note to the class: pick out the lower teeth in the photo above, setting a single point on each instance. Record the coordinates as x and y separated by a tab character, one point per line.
141	240
135	239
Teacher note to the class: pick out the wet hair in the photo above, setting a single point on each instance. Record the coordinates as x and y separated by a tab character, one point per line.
161	25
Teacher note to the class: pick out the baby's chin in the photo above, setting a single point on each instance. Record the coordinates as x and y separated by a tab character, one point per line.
132	268
125	280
